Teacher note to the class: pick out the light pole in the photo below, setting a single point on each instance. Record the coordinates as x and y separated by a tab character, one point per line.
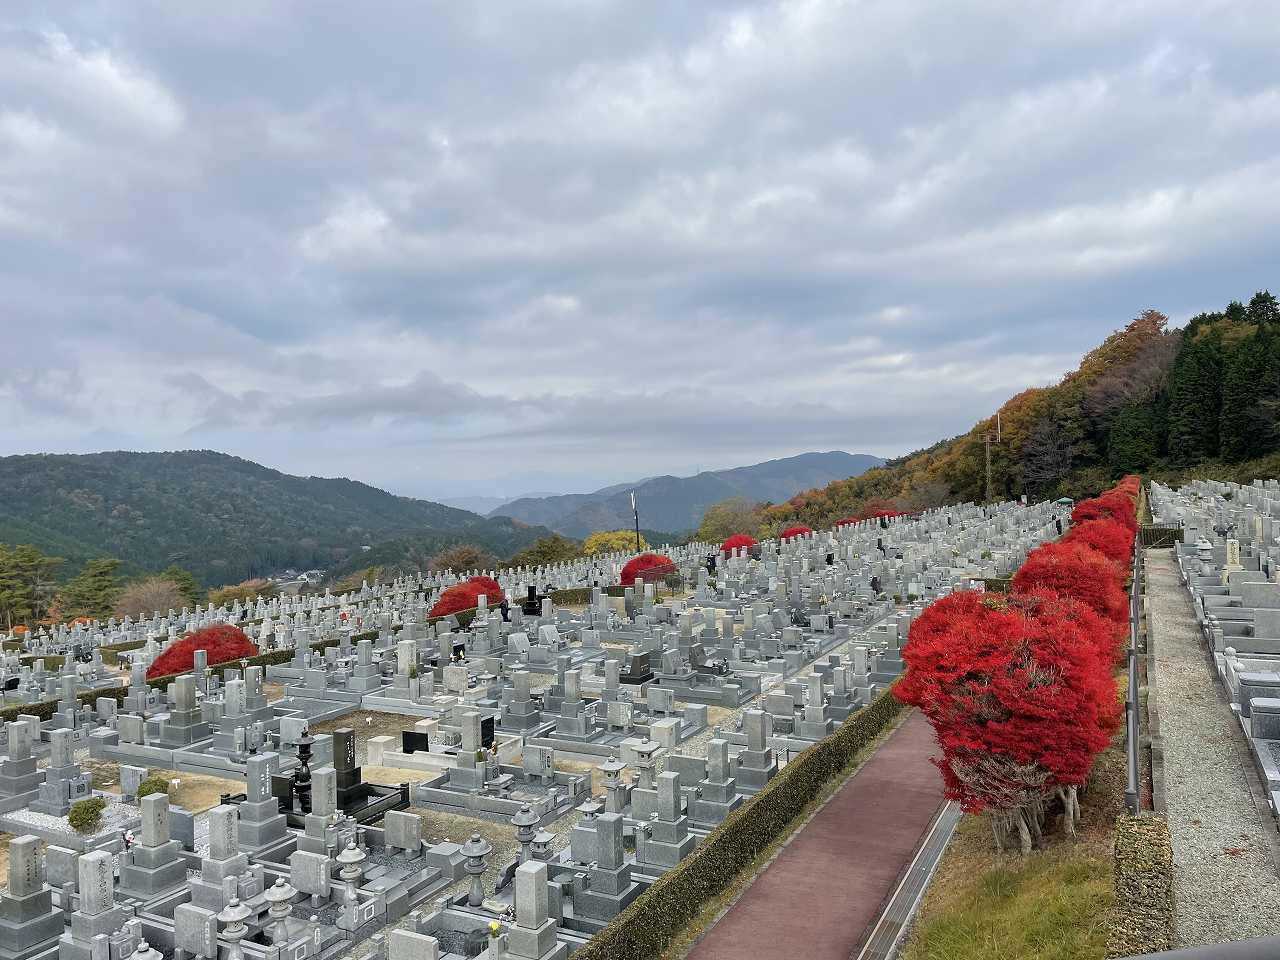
636	512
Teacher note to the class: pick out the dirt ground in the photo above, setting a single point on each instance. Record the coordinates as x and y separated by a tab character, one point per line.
368	723
195	792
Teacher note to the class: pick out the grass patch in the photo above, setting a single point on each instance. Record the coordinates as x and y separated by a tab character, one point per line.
1051	905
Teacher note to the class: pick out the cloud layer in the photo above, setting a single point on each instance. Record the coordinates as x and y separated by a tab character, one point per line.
473	248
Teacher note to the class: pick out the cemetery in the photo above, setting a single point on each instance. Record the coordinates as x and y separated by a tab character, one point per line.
609	738
1229	561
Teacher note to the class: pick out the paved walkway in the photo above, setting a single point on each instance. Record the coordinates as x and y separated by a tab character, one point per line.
828	885
1224	884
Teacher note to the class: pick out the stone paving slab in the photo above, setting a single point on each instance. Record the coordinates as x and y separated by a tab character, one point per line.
1224	883
826	888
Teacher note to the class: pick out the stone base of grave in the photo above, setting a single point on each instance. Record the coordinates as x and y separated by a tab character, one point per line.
29	926
539	942
150	870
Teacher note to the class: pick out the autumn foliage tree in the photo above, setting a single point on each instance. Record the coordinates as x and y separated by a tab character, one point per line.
739	541
466	596
647	567
799	530
221	642
1019	688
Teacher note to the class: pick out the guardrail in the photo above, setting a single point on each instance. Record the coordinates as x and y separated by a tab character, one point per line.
1132	793
1264	948
1151	535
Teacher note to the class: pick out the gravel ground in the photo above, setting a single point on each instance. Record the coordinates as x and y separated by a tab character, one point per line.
1225	885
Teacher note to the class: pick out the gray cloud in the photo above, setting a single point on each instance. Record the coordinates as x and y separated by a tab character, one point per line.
483	246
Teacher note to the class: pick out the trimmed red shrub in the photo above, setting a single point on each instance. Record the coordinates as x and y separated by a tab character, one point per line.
797	531
845	521
1077	571
1110	538
653	564
1110	506
1020	704
1045	604
466	595
737	542
222	642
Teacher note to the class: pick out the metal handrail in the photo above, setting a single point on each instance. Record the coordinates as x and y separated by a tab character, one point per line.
1264	948
1132	795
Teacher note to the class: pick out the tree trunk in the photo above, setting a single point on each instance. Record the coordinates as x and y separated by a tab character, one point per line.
1024	836
1033	822
1068	815
997	831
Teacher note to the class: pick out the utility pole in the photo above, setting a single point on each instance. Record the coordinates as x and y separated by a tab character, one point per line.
635	510
988	439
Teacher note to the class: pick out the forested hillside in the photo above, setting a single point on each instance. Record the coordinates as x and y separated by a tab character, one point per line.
223	518
1203	400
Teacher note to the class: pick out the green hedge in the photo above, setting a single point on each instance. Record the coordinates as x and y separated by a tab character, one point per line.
111	651
1142	920
645	928
52	661
998	584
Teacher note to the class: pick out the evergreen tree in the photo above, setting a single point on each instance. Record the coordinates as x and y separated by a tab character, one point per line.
1264	310
1195	400
1134	441
26	584
1244	366
93	593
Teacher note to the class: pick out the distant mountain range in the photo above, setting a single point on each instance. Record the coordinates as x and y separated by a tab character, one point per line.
223	518
677	503
484	505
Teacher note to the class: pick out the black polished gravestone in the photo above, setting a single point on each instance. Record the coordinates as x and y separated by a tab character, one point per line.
411	741
366	802
486	731
532	605
638	669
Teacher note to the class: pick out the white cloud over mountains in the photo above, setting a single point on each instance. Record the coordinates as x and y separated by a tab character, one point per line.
473	248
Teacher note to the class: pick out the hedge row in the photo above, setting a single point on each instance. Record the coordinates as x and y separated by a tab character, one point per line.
1142	919
111	651
644	929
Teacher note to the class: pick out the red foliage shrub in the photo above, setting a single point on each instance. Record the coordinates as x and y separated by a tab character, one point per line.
1110	506
845	521
1110	538
878	507
645	567
1077	571
736	542
221	641
797	531
464	596
1019	703
1045	604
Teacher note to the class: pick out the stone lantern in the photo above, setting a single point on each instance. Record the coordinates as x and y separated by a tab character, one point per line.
233	917
525	821
475	850
280	895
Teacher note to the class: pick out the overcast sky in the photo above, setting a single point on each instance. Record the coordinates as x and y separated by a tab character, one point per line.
487	247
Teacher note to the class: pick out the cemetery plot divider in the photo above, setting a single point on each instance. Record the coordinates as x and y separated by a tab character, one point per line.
644	929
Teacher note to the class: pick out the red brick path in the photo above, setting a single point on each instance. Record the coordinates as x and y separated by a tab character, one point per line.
826	888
